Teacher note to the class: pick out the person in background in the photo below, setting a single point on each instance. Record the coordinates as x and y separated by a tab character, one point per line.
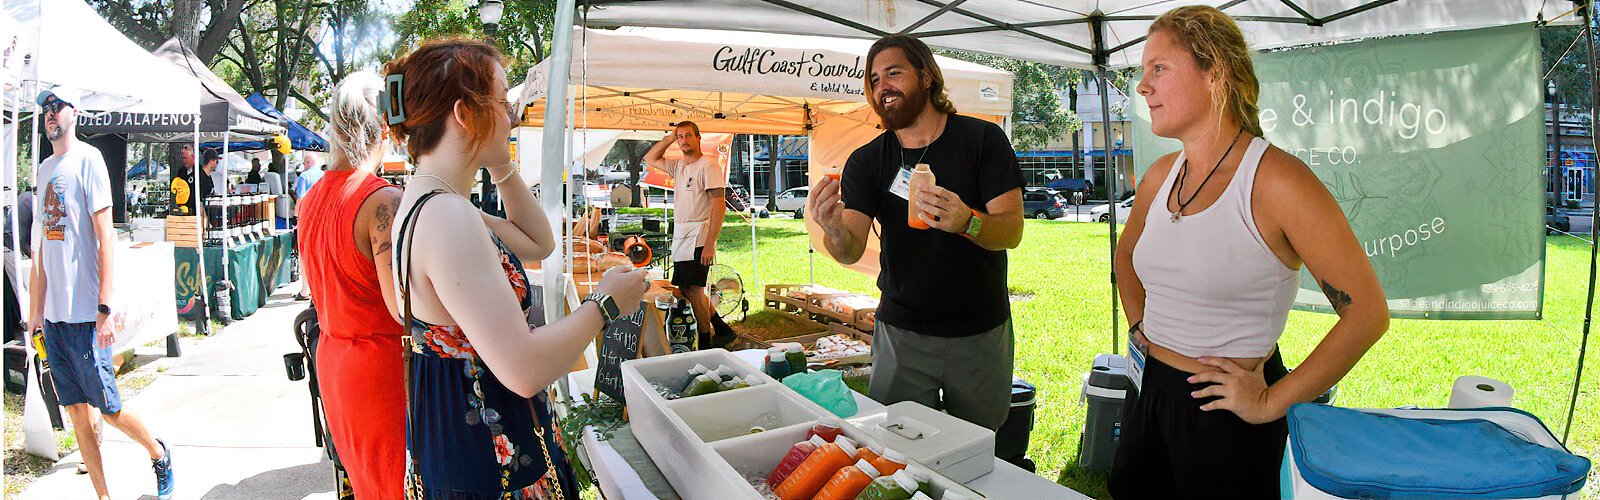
944	323
310	172
699	203
209	186
1209	266
274	186
480	423
71	300
254	177
346	252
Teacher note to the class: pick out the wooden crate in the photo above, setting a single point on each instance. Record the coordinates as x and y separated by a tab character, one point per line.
777	299
866	319
182	231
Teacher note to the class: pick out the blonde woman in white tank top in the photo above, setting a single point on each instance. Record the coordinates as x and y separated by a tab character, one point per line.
1208	267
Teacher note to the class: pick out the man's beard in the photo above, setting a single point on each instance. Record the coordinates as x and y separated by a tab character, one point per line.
905	113
54	133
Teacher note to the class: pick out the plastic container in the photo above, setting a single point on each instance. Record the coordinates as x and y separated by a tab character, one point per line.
920	496
897	486
791	460
828	428
848	482
727	373
890	461
1108	391
921	176
777	363
923	477
870	453
705	383
797	358
833	173
816	470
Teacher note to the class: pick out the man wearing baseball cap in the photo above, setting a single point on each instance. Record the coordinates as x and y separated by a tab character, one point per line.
74	247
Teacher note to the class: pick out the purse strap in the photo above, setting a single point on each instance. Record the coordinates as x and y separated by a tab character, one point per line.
406	240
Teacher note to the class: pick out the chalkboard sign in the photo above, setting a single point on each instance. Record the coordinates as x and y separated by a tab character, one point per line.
620	342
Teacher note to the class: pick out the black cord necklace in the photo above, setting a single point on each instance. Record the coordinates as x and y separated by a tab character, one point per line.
1184	172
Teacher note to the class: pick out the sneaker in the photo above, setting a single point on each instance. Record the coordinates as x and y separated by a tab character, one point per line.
163	468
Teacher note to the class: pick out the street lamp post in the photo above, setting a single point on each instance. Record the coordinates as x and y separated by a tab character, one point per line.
1557	168
490	11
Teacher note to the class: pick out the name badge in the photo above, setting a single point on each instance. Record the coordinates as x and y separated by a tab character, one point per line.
902	184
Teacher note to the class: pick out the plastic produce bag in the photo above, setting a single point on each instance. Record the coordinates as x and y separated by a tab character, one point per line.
826	388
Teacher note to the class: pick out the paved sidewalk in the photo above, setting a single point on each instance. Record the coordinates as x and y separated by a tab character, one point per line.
237	427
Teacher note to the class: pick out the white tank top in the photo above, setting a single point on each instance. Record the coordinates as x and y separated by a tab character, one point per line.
1212	286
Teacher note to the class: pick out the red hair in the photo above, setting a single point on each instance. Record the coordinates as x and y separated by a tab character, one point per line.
438	74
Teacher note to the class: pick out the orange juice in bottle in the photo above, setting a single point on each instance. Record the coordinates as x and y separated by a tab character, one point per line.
921	177
817	469
848	482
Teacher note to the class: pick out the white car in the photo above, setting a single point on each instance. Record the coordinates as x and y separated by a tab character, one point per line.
1102	213
794	200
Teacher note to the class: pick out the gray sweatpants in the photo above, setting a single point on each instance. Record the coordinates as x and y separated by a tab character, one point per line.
974	373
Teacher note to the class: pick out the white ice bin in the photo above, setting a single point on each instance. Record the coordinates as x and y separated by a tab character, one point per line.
948	445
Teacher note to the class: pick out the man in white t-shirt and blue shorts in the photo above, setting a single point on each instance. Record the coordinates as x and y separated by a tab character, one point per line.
698	206
74	246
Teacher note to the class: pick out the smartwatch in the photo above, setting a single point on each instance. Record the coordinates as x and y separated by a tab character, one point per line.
608	306
105	309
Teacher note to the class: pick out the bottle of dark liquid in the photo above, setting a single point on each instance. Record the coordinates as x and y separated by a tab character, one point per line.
682	328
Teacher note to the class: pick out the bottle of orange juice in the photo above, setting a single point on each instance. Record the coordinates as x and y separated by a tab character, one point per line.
921	176
808	479
889	462
848	482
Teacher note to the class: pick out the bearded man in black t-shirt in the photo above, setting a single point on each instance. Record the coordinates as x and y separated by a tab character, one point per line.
944	322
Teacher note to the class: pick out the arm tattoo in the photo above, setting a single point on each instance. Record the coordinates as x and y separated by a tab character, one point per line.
385	215
384	247
1338	298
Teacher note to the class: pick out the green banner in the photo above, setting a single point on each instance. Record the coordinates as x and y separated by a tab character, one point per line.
255	269
1434	145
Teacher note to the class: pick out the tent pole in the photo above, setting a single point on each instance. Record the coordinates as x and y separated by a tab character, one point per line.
14	185
1594	217
755	274
222	165
552	161
199	230
1110	181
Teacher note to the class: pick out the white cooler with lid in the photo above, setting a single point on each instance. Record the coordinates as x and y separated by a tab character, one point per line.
952	447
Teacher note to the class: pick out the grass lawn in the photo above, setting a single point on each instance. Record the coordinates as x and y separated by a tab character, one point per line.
1068	321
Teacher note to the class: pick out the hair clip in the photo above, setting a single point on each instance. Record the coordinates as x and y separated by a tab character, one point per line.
390	99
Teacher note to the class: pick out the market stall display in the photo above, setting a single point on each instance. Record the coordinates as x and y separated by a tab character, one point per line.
705	447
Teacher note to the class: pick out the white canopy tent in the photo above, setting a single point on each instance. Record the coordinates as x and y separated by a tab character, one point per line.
1069	32
64	42
734	82
1102	35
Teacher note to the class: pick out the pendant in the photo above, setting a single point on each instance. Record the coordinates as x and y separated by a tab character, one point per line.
1175	216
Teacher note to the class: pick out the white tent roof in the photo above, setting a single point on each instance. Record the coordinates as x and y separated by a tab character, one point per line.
729	81
1062	31
64	42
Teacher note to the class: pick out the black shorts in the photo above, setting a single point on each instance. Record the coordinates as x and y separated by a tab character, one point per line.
690	273
1170	448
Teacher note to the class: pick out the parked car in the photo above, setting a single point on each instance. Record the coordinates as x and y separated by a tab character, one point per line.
1555	221
794	200
1102	213
1043	204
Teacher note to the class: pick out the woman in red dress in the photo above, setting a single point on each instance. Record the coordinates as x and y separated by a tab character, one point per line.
344	241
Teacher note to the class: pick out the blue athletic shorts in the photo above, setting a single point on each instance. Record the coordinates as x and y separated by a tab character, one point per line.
82	372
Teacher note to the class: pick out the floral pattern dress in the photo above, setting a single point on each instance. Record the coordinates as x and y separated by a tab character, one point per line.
468	436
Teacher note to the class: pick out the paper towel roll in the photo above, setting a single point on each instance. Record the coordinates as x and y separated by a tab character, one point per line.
1473	391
